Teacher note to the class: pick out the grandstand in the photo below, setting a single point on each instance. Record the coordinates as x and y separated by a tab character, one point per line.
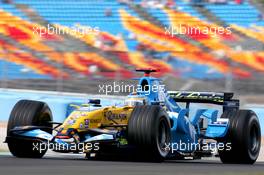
65	40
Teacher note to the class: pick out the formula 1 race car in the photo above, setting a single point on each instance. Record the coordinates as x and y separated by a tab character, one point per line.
152	124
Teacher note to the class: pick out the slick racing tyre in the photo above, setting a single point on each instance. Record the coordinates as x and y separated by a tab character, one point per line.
27	113
244	137
149	130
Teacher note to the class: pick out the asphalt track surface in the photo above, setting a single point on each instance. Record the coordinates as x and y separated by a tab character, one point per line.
73	165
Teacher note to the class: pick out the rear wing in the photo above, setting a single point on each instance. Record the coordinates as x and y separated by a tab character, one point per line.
218	98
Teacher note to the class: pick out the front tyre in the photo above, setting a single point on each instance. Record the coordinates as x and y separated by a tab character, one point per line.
244	136
28	113
149	131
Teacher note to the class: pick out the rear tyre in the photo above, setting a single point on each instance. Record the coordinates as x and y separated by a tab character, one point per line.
244	137
28	113
149	131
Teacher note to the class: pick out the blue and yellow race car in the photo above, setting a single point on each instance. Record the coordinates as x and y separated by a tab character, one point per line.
152	124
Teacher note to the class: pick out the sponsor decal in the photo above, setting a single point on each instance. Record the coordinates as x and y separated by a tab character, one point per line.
71	122
95	120
198	95
81	125
86	123
113	116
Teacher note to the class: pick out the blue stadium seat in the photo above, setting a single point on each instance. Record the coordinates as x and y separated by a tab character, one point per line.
241	14
13	10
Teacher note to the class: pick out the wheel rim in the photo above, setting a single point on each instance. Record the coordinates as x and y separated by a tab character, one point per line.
162	134
254	139
163	137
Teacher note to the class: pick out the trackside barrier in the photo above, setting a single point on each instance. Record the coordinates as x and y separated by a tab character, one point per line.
58	102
